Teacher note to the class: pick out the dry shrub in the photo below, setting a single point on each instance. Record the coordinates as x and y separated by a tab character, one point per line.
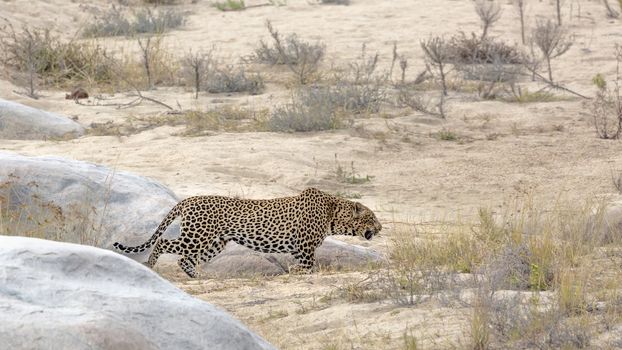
195	68
234	79
495	65
42	55
195	122
310	109
155	66
301	57
474	50
607	106
360	88
523	321
416	271
552	40
229	119
116	21
489	13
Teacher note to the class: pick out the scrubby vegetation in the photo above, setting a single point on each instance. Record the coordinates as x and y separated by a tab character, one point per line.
301	57
23	212
42	57
234	79
607	106
119	21
310	109
230	5
521	277
530	279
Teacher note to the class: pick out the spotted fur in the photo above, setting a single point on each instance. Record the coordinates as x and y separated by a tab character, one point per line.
295	225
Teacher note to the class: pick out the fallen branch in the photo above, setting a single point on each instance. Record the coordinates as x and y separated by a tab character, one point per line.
141	96
138	100
555	85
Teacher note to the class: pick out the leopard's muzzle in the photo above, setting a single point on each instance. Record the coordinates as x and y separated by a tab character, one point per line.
369	234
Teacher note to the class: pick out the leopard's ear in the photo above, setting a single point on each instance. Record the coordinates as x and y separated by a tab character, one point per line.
358	209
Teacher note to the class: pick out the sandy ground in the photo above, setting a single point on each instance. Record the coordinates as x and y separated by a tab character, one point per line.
503	149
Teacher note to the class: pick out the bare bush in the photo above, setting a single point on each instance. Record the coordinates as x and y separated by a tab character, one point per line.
420	101
552	40
359	98
147	47
473	50
42	57
24	52
234	79
116	22
302	58
196	67
607	106
494	64
521	6
489	12
360	88
310	109
437	55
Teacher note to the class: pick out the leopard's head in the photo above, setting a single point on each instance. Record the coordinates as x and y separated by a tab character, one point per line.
354	219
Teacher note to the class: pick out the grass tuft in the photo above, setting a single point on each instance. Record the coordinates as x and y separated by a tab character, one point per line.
230	5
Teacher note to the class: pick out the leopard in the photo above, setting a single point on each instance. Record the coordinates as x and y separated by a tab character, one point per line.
296	225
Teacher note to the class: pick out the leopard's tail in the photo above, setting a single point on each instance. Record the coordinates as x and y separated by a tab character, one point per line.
170	217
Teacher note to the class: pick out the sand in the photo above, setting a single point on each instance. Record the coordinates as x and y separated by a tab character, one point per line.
546	149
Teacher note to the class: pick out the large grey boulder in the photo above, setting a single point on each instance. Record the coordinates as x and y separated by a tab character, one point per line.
97	205
67	296
604	224
239	261
20	122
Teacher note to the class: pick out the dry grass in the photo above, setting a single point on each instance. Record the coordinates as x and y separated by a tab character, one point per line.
24	212
310	109
230	5
533	281
301	57
195	122
41	57
120	21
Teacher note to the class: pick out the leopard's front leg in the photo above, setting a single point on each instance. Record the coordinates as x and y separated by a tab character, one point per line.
305	259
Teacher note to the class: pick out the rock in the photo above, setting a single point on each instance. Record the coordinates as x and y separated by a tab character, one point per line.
84	202
604	224
239	261
67	296
20	122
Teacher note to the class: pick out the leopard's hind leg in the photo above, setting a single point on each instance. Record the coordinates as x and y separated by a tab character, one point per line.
215	247
163	246
189	265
